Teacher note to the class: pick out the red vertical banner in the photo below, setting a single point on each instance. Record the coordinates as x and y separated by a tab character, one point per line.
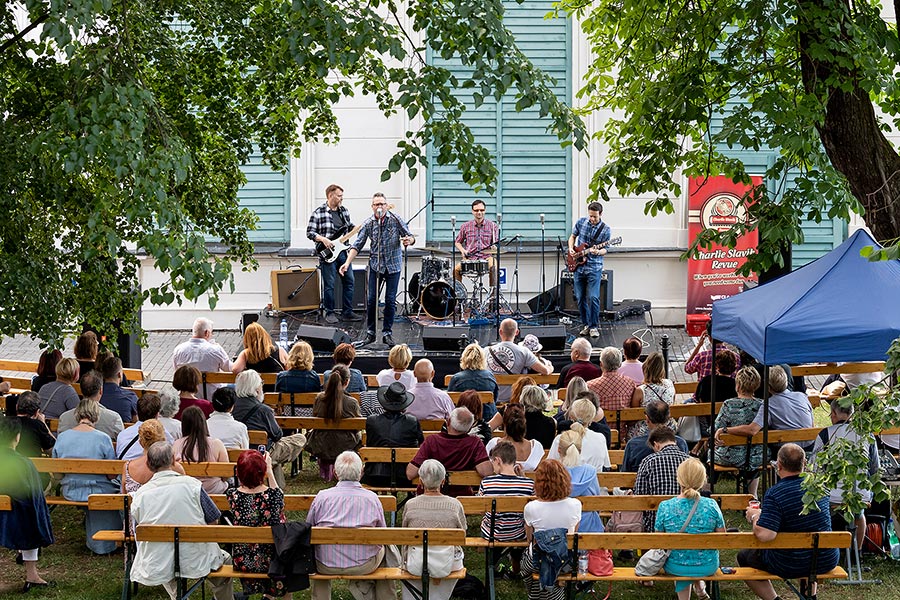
715	203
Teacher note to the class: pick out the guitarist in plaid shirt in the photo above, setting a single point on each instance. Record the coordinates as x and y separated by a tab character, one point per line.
327	223
592	231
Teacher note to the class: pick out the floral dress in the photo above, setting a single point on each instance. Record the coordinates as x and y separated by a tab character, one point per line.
664	391
735	412
256	510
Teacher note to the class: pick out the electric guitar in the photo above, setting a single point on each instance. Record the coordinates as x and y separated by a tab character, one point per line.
329	255
573	261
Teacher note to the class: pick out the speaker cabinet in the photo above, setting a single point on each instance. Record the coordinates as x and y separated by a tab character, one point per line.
295	289
322	338
453	339
552	337
359	291
567	292
247	318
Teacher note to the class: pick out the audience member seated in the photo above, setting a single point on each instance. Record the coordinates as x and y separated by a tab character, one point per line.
87	349
114	397
196	446
538	426
27	527
35	439
515	397
222	424
432	509
725	388
673	515
202	353
655	386
333	404
656	414
256	502
109	421
599	425
260	354
508	358
347	504
391	429
345	354
250	410
507	480
430	402
46	370
657	474
455	449
299	376
474	375
368	401
552	512
472	402
581	365
575	386
787	410
84	441
840	429
614	390
170	403
782	511
533	343
584	477
170	498
135	472
528	452
187	381
594	451
740	410
631	366
59	396
399	358
127	441
98	366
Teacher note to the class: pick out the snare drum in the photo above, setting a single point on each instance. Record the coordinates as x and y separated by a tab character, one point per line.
474	268
434	269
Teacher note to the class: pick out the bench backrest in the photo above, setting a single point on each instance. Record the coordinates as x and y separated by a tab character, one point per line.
351	424
404	536
474	505
292	502
775	436
114	467
608	480
707	541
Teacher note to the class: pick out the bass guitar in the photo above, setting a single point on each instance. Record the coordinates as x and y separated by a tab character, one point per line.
573	261
329	255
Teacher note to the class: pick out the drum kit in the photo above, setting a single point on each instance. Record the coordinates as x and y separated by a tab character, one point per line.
439	296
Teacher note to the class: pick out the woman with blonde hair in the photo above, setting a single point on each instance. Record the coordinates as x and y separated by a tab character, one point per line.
515	397
299	376
654	387
259	353
135	472
702	515
399	358
575	386
538	426
594	451
334	404
584	477
59	396
474	375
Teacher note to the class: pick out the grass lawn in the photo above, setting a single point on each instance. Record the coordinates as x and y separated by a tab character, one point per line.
80	575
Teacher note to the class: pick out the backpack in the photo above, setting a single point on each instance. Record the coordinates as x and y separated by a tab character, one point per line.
469	588
626	521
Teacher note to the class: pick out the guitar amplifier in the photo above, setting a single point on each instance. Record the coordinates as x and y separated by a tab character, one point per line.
360	281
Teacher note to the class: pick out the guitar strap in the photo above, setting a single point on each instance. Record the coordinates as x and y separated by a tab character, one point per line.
599	233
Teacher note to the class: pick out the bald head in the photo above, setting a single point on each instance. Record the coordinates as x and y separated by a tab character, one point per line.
508	330
424	370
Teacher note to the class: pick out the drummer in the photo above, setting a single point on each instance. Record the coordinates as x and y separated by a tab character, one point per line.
474	236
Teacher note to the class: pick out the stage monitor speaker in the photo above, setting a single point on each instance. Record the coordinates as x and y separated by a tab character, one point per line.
247	318
359	291
552	337
453	339
295	289
322	338
545	302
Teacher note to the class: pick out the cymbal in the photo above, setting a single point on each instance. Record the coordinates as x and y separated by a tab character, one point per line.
437	250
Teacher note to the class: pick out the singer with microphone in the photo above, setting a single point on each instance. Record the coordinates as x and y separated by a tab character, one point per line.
474	236
387	232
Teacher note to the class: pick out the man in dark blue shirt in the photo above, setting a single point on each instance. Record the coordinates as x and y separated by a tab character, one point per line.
782	512
636	450
114	397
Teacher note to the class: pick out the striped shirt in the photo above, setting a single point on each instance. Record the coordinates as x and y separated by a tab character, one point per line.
475	237
508	527
347	504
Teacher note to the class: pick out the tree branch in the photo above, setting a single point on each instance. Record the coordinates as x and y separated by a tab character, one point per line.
14	39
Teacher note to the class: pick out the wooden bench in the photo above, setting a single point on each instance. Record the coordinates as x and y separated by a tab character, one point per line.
705	541
223	534
220	378
5	503
775	436
292	502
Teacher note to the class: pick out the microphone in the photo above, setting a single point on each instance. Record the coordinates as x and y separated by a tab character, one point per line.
292	294
379	212
452	221
542	218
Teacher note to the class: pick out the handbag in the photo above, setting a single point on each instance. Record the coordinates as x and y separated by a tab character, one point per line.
689	428
652	561
440	560
600	562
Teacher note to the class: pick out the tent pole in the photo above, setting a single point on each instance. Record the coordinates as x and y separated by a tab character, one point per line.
765	429
711	439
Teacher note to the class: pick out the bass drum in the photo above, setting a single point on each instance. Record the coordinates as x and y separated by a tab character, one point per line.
439	299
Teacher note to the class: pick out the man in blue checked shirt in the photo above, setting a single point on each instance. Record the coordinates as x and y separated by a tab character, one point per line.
593	231
387	232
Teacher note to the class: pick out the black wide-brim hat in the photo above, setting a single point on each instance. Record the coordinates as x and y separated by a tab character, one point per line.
394	397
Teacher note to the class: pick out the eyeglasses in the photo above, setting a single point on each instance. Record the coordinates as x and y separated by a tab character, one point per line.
379	203
477	210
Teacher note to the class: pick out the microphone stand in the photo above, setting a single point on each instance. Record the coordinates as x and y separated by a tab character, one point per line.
497	288
453	264
517	313
543	276
406	259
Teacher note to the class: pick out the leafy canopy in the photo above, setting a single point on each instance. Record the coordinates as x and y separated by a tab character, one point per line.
124	125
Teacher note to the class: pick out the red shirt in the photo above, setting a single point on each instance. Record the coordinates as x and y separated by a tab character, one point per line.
456	453
204	405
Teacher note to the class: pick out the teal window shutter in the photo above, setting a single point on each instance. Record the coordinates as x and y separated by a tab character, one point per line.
267	193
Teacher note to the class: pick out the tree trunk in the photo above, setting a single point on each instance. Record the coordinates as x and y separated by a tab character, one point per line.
854	142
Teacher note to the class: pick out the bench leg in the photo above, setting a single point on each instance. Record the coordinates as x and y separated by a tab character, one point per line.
489	572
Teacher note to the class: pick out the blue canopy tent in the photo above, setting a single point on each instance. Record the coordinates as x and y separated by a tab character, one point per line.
838	308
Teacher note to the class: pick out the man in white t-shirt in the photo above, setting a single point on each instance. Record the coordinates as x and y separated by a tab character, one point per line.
508	358
203	353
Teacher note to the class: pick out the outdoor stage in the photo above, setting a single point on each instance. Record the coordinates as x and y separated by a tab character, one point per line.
441	341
